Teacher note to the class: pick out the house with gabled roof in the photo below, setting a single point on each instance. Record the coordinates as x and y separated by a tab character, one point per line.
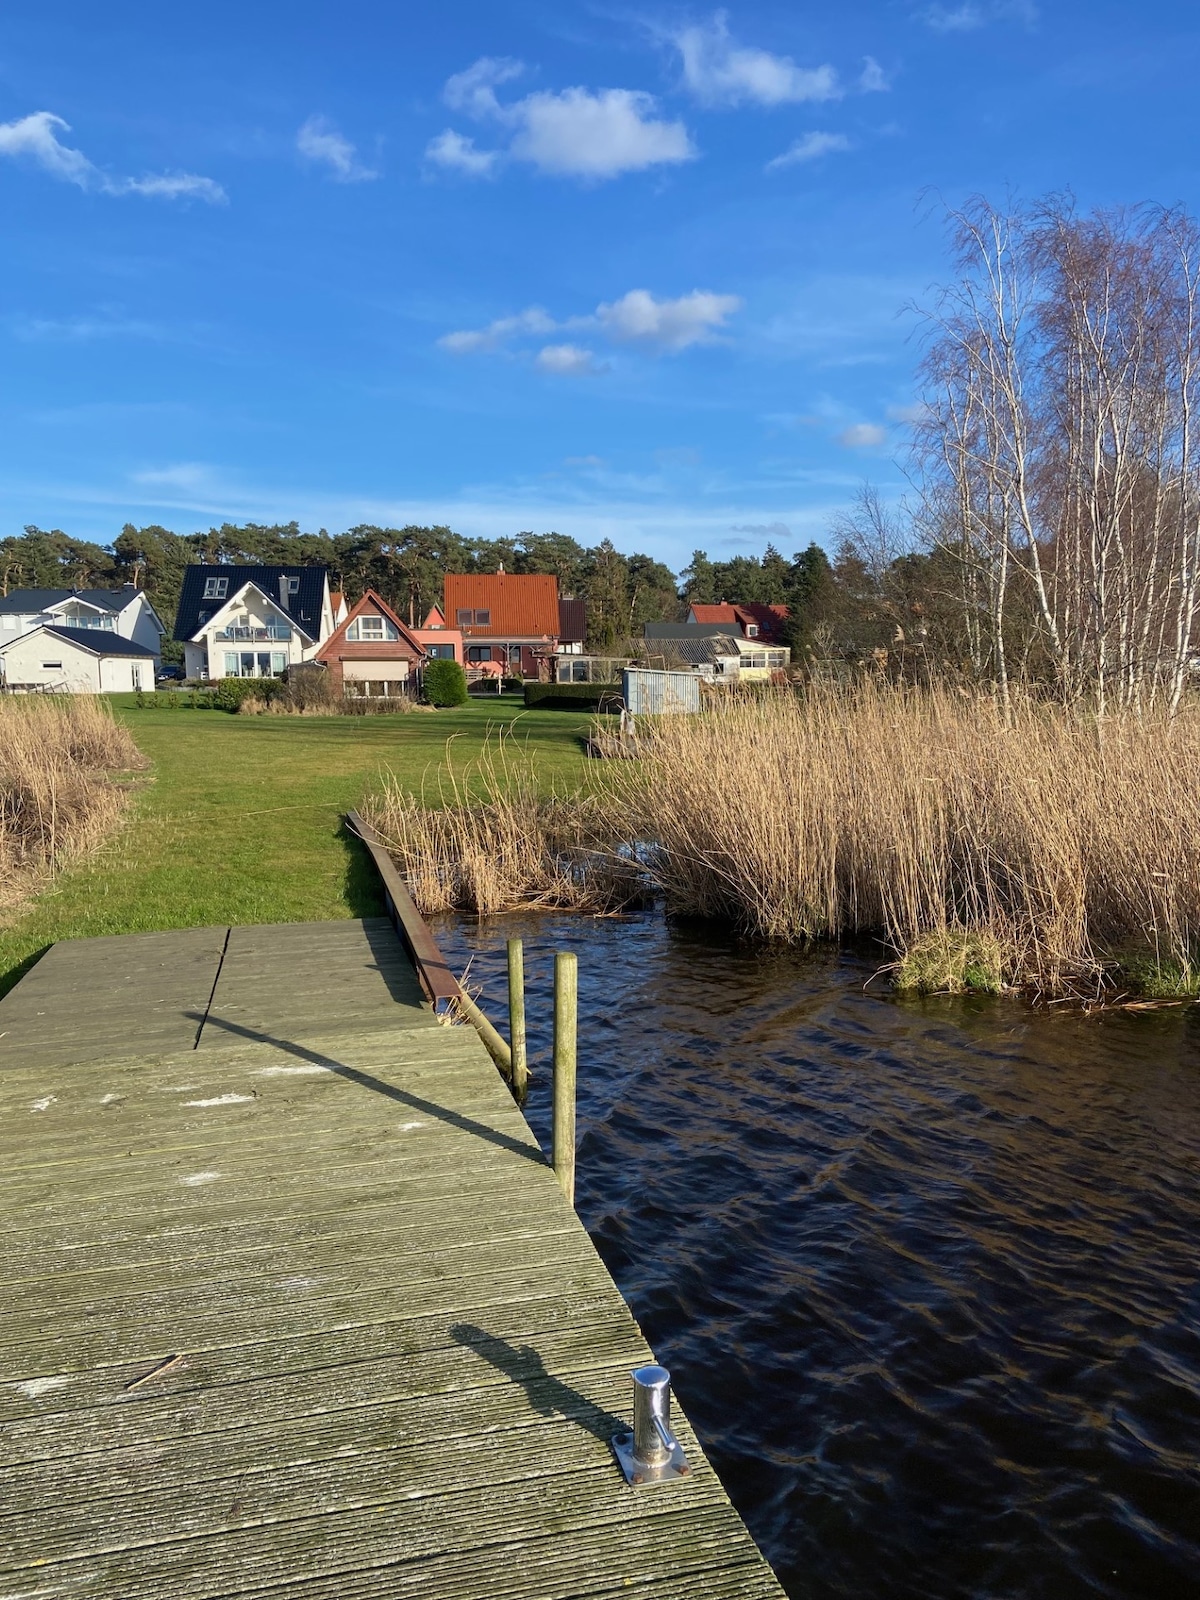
755	620
252	622
371	654
439	642
71	660
125	612
509	621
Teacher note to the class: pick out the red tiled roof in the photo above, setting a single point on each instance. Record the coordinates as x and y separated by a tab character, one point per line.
765	617
522	605
382	649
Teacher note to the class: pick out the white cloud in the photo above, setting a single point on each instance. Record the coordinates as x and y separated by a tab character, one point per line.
321	142
189	476
470	341
695	318
35	138
457	153
174	186
575	132
721	73
636	318
810	148
567	360
974	14
872	79
597	135
474	91
862	436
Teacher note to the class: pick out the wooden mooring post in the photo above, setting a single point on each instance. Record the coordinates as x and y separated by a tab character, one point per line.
519	1073
566	997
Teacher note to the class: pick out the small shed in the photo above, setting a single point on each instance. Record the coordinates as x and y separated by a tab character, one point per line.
649	692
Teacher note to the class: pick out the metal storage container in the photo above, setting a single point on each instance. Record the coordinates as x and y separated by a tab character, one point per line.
648	692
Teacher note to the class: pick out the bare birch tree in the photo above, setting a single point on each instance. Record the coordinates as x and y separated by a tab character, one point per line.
1058	451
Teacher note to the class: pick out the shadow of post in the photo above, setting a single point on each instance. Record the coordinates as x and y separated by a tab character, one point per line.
548	1395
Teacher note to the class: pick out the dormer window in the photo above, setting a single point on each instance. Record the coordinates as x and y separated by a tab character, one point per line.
216	588
752	630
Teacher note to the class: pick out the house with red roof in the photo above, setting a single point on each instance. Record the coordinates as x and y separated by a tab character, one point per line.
439	642
509	621
371	653
752	621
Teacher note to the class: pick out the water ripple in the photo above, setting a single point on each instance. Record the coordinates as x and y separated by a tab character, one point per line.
925	1272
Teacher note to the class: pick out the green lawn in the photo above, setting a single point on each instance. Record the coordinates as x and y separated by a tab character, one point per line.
240	819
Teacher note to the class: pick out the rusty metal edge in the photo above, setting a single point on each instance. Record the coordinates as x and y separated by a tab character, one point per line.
437	980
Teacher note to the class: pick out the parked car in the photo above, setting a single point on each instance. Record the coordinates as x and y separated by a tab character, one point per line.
170	674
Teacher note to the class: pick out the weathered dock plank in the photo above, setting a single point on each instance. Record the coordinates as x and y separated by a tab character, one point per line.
401	1359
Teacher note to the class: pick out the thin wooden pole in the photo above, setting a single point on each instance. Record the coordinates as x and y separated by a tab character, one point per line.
516	1020
566	992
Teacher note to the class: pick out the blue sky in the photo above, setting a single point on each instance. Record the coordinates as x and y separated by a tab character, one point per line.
625	271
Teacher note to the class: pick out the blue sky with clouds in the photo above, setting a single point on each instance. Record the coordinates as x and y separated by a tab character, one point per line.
626	271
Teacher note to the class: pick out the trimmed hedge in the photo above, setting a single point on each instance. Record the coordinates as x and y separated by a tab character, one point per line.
444	683
573	696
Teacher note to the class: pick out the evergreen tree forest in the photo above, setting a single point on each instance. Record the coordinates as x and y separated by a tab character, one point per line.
869	598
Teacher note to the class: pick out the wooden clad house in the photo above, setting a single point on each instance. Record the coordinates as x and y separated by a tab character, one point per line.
371	653
509	621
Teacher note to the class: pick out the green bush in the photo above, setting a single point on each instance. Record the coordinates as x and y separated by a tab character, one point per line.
230	692
445	683
574	696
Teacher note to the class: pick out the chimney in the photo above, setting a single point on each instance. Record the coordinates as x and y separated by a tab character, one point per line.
283	591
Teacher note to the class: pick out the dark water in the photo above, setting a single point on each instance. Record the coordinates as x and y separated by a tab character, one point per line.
926	1274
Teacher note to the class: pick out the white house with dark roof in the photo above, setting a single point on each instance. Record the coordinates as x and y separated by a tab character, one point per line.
252	622
53	660
125	612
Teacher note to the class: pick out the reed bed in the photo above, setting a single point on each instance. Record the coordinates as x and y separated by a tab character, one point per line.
1053	852
58	797
491	839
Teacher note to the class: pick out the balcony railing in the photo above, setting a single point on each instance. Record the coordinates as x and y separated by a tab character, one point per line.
273	630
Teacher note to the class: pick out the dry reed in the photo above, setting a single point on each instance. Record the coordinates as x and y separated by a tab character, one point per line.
1040	853
58	800
496	841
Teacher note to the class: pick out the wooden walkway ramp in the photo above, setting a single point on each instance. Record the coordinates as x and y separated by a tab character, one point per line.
290	1303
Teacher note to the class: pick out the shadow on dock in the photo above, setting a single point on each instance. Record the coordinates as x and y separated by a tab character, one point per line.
365	1080
548	1395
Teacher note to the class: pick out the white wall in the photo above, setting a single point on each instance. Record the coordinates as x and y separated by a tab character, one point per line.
25	661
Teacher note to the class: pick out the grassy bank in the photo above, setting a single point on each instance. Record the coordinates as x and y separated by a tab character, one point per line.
240	819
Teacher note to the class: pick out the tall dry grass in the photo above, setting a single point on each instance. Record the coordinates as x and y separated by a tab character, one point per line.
1035	853
58	800
491	839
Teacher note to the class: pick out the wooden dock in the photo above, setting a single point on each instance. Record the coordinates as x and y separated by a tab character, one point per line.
293	1305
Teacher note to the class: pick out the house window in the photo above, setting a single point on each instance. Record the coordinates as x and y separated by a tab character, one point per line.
216	588
752	630
231	664
483	619
479	652
440	652
371	627
278	662
463	618
293	586
51	666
